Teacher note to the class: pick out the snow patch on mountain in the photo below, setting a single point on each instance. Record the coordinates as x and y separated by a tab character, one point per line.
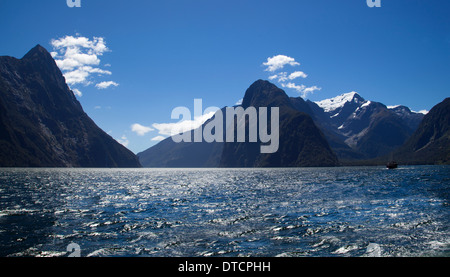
332	104
400	110
393	107
366	104
421	111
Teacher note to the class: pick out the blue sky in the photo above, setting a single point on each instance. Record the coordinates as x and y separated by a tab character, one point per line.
164	54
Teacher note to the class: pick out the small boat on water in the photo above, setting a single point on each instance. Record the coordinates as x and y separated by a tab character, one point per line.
392	165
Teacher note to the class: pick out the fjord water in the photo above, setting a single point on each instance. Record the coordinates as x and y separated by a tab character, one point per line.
342	211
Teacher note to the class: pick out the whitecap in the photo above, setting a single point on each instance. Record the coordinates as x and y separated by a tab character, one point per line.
346	249
373	250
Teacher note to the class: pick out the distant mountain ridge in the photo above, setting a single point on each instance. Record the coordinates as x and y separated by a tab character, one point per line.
42	124
301	142
355	130
362	129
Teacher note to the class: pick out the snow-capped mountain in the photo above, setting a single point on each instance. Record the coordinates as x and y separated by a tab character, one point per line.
346	108
362	128
412	118
301	143
338	102
348	127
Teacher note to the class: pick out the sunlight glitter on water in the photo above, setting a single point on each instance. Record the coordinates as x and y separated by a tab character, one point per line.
226	212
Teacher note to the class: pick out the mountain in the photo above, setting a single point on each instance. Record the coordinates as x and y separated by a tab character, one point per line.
359	129
430	143
168	153
43	125
410	118
301	143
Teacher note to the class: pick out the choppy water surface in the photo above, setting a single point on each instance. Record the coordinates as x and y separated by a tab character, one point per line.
349	211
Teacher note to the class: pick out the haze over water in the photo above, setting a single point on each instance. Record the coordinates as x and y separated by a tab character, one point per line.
342	211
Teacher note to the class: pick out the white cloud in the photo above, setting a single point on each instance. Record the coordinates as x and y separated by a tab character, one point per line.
81	74
73	58
281	77
298	88
95	46
273	77
158	138
302	89
76	77
105	85
239	102
285	78
77	92
278	62
170	129
297	74
309	90
140	129
124	141
79	59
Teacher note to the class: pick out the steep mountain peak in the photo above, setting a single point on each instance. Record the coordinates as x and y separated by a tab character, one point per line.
40	61
301	142
42	123
37	52
332	104
265	94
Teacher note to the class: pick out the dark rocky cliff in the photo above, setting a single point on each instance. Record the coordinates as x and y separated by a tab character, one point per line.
42	124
